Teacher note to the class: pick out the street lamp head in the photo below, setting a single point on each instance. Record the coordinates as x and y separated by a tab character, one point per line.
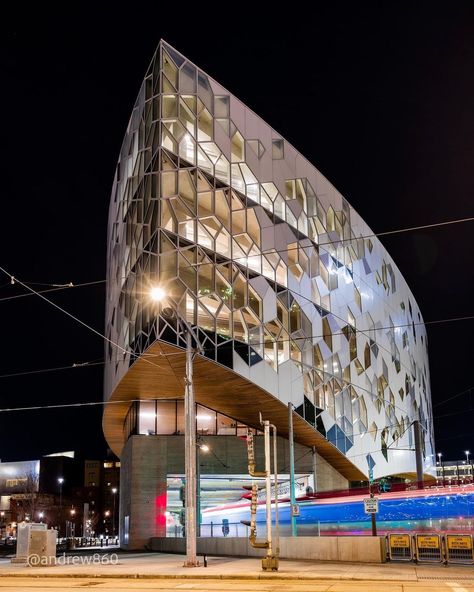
467	452
440	454
157	294
114	490
60	480
41	515
204	447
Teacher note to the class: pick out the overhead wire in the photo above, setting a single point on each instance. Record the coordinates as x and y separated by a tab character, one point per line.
469	390
336	376
124	351
299	295
253	343
334	243
121	402
407	229
75	318
56	287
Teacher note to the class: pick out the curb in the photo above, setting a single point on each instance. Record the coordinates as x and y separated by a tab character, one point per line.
219	577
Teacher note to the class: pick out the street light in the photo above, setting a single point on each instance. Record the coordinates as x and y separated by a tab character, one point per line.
158	294
114	491
467	453
440	454
60	482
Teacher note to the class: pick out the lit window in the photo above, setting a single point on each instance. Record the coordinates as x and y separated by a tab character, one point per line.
277	149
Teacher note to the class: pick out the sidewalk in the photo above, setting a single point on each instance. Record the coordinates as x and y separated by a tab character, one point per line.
159	566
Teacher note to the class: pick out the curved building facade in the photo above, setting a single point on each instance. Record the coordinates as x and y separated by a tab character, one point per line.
293	297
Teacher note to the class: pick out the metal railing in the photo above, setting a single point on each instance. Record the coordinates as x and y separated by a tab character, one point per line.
85	542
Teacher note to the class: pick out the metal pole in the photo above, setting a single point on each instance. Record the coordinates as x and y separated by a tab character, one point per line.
268	486
292	468
113	526
60	508
372	516
190	457
275	480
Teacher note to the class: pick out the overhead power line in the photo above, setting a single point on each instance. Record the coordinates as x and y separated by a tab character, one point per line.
70	285
469	390
57	288
101	335
121	402
400	230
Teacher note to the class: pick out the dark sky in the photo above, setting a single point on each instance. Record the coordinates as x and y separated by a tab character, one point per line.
378	97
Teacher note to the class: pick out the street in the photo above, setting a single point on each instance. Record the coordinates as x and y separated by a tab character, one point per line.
39	584
163	572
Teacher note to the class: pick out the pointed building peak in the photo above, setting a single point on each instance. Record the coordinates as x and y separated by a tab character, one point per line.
177	57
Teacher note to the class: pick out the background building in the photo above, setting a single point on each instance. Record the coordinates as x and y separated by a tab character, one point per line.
294	299
85	503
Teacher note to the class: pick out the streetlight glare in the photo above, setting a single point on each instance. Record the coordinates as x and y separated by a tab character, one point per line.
204	447
157	294
60	480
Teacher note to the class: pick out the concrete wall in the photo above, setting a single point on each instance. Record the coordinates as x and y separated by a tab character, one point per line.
363	549
143	491
147	460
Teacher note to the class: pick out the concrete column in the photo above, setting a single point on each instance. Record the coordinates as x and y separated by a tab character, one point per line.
418	453
143	491
314	455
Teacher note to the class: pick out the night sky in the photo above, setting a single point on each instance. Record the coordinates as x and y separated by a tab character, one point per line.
379	97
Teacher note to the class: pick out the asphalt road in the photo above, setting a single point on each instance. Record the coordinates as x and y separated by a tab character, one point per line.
41	584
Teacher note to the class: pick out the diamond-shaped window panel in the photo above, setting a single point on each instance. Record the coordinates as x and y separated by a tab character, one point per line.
278	151
257	147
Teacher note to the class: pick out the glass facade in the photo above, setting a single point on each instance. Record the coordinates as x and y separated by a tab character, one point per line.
284	282
166	418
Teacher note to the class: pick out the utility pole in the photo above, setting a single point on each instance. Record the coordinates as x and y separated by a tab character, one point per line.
158	294
190	456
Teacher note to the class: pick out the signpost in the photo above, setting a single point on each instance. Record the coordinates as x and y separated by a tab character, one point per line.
371	505
295	510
